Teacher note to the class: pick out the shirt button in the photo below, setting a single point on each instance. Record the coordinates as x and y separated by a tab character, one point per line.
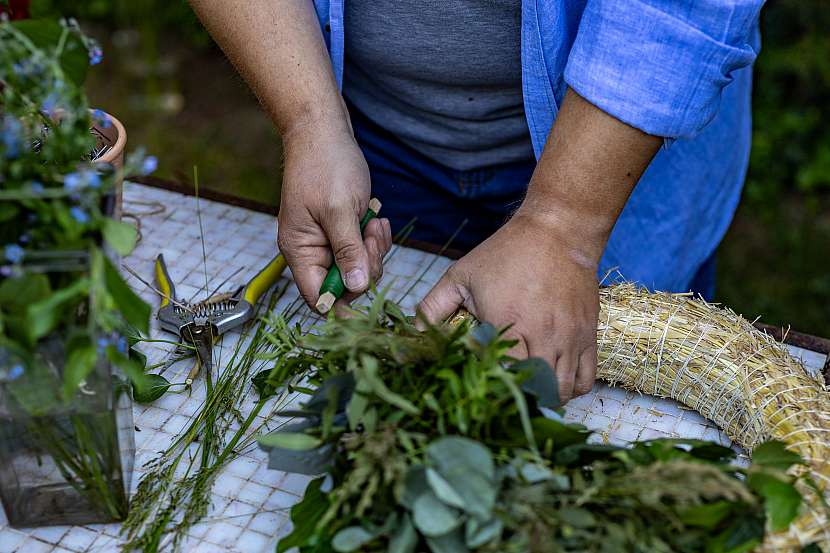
328	27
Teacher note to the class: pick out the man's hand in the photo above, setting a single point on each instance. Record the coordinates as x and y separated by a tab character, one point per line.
542	285
325	191
538	272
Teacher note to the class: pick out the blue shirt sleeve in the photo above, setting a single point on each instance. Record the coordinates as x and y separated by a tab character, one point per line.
660	65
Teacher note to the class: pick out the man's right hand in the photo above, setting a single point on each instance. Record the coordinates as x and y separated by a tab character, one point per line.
325	192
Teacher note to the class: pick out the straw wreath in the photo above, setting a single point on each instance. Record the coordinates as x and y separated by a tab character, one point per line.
715	362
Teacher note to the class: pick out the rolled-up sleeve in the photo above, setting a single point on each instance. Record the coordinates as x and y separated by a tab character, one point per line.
658	65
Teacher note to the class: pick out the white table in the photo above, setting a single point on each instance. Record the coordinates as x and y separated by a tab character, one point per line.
250	503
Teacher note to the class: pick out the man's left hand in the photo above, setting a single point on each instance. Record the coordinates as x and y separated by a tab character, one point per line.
538	272
529	277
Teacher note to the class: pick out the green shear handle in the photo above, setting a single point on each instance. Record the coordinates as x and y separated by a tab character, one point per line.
333	286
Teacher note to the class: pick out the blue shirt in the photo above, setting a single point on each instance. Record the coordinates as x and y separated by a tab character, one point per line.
680	70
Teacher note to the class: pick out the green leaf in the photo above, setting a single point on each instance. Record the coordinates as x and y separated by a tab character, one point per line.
484	334
533	473
415	485
134	310
44	315
334	392
405	538
742	536
583	454
80	362
18	292
351	538
468	469
539	380
133	370
46	34
707	515
368	371
577	517
260	382
775	455
448	543
356	408
562	434
138	356
443	490
479	533
120	236
666	449
433	517
153	387
304	516
781	499
296	441
8	211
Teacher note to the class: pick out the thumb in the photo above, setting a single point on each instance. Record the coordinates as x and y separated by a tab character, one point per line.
343	231
442	301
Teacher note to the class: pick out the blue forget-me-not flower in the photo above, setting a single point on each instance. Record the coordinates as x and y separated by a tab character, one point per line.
14	253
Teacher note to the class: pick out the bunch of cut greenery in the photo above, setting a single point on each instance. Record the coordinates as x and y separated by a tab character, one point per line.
63	303
439	441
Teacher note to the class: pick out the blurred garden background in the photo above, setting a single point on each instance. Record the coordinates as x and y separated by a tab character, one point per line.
178	96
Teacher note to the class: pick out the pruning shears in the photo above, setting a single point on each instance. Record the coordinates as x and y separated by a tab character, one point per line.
201	324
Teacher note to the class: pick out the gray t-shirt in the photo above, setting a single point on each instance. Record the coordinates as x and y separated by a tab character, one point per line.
442	75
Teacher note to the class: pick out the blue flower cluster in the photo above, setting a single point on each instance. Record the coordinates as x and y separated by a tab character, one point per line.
102	118
149	165
11	136
79	180
96	55
79	215
15	372
27	68
121	344
14	253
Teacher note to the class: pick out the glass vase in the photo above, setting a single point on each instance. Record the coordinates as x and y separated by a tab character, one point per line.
66	455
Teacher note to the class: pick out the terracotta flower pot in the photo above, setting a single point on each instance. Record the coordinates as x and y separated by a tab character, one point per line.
113	137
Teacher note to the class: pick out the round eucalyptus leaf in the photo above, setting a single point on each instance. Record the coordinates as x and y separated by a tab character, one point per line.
415	485
479	533
444	490
405	538
448	543
351	539
433	517
468	469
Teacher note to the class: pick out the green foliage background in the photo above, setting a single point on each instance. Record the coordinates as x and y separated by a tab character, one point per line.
774	262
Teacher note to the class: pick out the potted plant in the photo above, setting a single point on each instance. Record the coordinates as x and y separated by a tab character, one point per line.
66	432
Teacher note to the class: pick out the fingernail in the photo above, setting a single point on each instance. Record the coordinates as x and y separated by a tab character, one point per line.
356	279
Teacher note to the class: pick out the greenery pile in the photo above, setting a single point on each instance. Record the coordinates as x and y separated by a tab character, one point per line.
439	441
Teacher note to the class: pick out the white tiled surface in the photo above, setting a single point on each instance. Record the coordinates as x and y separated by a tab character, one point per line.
250	503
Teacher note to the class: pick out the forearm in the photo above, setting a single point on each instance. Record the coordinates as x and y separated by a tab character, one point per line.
279	50
585	175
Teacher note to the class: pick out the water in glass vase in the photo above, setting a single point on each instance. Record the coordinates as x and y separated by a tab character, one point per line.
63	461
